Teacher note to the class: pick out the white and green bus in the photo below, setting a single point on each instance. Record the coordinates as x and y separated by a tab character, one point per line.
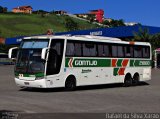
71	61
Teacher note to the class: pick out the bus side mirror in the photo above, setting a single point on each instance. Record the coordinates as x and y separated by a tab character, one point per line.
44	52
12	54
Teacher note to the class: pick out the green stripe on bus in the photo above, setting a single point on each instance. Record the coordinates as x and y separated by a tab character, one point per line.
140	63
77	62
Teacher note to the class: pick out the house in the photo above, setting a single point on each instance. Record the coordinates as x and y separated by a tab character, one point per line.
60	12
23	9
98	15
82	15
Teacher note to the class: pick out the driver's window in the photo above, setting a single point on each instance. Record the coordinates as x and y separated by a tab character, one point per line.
55	56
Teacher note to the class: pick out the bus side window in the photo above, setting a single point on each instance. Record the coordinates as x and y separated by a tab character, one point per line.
78	49
138	51
104	50
120	51
70	50
114	51
107	50
146	52
128	51
100	50
89	49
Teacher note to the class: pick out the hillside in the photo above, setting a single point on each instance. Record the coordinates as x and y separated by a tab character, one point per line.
12	25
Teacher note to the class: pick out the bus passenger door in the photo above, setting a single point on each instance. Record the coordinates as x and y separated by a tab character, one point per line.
54	63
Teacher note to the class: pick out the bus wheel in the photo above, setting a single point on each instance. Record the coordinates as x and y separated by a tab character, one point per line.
136	79
128	80
70	84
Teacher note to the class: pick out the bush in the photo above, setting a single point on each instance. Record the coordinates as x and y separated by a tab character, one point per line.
70	24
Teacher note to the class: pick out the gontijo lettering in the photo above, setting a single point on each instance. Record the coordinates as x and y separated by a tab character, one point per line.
85	63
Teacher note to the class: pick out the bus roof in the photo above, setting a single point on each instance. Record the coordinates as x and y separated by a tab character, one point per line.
75	36
87	38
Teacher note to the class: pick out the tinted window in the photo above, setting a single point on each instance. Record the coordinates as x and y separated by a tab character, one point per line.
107	50
55	56
78	49
120	51
70	51
57	46
89	49
103	50
138	51
74	49
93	49
114	51
100	50
146	52
128	51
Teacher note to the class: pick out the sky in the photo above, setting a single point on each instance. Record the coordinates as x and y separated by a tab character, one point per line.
145	12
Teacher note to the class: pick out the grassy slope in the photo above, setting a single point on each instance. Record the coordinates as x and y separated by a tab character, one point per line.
12	25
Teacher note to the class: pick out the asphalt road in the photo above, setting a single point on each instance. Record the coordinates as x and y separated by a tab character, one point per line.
92	99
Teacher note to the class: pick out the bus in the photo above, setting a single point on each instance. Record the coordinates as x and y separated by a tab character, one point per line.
4	60
71	61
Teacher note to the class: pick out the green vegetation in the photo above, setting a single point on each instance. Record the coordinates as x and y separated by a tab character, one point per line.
144	36
114	23
3	9
12	25
71	24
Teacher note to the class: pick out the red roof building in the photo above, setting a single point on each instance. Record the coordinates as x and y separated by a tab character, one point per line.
23	9
99	15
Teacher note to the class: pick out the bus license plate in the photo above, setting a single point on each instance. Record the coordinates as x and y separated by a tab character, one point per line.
26	83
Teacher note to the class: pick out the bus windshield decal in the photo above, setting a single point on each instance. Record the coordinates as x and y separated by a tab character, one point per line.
35	44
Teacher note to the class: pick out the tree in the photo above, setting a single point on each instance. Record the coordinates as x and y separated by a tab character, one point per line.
121	22
114	23
91	17
142	35
155	41
52	12
1	9
4	48
106	22
5	9
70	24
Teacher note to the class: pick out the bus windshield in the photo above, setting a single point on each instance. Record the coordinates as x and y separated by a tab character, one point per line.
29	57
29	61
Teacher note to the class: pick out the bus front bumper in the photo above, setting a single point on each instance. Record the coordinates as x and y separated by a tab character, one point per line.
31	83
